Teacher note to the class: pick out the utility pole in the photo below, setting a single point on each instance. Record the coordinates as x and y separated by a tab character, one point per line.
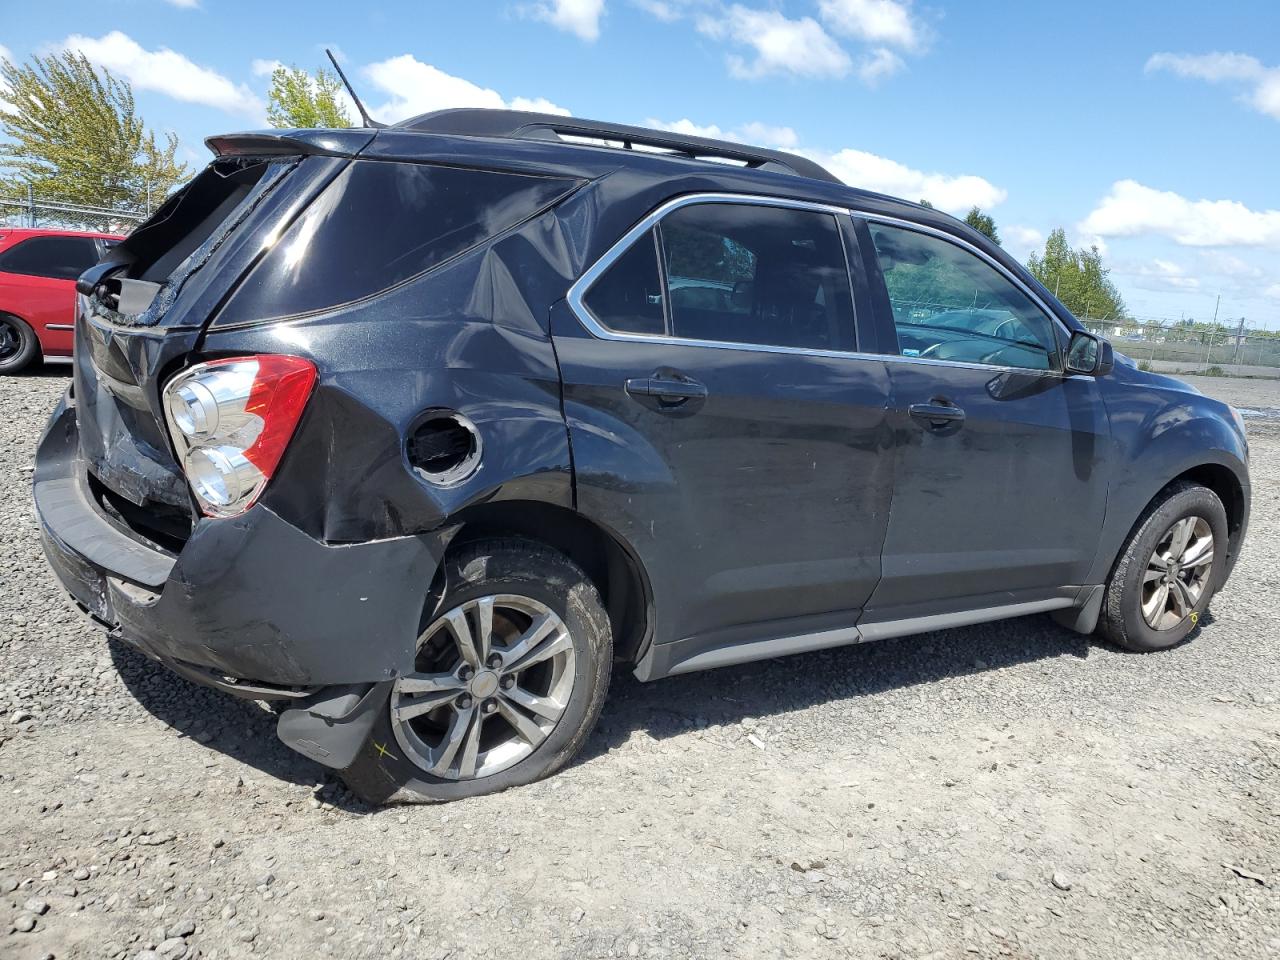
31	206
1213	328
1235	358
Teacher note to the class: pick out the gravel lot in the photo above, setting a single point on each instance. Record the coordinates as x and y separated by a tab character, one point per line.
1006	790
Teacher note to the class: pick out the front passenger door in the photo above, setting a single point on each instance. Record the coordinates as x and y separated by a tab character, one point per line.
1001	468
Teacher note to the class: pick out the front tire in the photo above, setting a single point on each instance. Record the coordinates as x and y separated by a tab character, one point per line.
18	344
1170	567
512	669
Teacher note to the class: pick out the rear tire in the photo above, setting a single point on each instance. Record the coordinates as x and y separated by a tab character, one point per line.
18	344
1168	571
518	699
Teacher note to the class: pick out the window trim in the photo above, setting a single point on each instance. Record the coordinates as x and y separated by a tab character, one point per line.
1060	329
596	327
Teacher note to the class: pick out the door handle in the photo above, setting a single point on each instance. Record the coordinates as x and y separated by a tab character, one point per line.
936	415
666	390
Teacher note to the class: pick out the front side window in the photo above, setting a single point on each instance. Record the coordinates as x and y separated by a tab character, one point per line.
57	258
949	304
734	273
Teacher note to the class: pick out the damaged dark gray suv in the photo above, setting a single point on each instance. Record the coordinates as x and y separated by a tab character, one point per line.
420	430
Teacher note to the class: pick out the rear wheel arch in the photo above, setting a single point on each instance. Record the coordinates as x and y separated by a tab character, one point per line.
616	573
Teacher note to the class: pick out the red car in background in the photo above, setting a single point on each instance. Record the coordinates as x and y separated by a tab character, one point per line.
38	271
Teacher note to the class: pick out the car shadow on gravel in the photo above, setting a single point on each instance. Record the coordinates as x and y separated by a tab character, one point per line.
245	730
765	688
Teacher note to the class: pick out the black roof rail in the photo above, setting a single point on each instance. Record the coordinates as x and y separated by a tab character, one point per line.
524	125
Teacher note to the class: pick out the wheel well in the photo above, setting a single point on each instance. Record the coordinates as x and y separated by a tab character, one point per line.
616	574
1224	483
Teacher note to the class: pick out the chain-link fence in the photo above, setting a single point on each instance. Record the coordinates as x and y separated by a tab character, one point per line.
31	212
1184	346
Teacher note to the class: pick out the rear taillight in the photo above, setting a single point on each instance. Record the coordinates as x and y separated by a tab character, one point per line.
231	420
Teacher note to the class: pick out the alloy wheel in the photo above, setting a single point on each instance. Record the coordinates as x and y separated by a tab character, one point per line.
10	339
492	678
1177	573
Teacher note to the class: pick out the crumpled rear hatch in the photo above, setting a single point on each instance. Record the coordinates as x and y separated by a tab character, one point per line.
142	311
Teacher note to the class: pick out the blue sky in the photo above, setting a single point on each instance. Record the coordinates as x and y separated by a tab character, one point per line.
1152	129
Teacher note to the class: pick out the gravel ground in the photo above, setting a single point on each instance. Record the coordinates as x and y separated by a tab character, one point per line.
1006	790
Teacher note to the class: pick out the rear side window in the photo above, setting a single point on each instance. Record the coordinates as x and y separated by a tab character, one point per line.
734	273
381	223
57	258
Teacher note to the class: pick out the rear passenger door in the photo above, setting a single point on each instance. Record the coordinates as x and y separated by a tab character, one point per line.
722	421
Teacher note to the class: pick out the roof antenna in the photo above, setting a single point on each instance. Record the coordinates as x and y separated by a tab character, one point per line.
364	114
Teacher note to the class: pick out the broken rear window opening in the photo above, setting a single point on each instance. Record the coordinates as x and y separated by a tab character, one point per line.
184	232
421	214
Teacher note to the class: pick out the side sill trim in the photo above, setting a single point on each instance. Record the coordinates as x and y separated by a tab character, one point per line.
964	618
767	649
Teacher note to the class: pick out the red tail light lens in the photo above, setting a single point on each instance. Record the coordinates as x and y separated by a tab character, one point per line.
231	421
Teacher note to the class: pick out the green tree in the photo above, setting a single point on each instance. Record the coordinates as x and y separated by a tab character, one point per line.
299	100
1078	278
75	136
983	223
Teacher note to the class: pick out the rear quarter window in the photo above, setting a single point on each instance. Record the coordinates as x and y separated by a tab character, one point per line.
382	223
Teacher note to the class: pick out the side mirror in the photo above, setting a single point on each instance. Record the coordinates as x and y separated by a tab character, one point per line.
1089	355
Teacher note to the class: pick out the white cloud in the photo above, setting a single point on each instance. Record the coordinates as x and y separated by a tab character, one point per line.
1021	240
1262	82
265	68
761	134
538	105
781	45
1273	291
166	71
581	17
1158	274
867	171
953	194
1224	264
415	87
877	65
667	12
184	4
1131	209
876	21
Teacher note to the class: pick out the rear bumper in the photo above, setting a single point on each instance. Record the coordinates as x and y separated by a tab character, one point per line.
250	604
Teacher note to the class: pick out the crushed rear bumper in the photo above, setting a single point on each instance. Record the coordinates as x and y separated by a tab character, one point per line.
249	605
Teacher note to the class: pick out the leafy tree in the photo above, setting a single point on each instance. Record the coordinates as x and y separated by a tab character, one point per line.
74	136
298	99
983	223
1078	278
925	203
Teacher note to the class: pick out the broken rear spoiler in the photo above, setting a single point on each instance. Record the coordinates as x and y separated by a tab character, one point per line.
322	143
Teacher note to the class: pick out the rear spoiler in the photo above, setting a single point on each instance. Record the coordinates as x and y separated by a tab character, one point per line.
321	143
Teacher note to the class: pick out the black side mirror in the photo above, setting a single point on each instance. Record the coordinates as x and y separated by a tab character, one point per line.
1089	355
